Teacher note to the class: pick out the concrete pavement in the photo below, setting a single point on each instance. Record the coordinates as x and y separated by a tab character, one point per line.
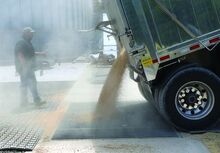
150	145
87	88
62	95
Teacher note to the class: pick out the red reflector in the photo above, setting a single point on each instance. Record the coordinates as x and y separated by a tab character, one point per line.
165	57
214	40
195	47
155	61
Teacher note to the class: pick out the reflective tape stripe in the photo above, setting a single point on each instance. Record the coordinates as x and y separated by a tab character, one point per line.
214	40
196	46
155	61
164	57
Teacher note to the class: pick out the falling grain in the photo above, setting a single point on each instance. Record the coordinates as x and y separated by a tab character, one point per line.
107	99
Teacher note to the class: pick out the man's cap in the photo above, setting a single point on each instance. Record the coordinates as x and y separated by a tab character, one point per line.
28	29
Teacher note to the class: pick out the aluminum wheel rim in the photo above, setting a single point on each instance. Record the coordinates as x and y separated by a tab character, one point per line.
194	100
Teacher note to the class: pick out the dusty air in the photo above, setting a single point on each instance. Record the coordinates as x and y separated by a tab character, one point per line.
109	76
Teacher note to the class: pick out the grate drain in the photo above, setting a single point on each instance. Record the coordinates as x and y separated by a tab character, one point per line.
18	137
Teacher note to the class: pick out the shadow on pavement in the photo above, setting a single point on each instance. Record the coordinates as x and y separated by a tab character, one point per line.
139	120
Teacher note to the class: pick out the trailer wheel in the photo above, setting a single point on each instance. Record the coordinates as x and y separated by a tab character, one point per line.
190	98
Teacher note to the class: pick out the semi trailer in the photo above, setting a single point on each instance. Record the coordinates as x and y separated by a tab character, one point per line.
174	51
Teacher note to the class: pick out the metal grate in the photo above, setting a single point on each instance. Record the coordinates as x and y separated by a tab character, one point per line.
17	136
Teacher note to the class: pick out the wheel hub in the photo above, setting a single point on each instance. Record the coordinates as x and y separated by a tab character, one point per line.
194	100
190	98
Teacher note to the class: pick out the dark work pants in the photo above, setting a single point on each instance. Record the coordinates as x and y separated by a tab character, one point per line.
28	81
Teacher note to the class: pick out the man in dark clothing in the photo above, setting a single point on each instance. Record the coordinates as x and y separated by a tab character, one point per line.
25	66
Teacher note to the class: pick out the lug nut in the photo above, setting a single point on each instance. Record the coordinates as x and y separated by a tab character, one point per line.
190	107
193	90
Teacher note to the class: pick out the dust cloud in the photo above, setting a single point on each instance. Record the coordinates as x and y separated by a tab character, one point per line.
57	26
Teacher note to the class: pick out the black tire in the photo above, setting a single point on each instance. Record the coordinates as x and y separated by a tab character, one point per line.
181	111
